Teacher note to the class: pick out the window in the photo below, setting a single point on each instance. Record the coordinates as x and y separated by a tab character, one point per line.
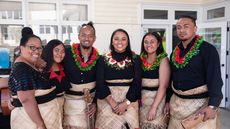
178	14
10	35
70	34
75	12
155	14
42	11
10	10
216	13
45	32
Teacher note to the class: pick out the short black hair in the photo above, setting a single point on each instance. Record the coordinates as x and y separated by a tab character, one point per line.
189	17
90	23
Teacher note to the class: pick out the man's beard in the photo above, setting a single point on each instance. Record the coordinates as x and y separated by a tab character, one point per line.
183	40
86	47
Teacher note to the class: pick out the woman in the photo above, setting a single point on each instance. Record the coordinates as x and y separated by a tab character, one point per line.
155	80
33	98
53	54
119	85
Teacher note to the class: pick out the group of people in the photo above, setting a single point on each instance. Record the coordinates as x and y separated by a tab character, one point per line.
73	87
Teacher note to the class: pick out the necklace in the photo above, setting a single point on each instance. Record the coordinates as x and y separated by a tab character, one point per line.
84	66
55	75
118	65
148	66
194	50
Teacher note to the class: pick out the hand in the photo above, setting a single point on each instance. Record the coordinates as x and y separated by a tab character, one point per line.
92	110
40	64
208	112
122	107
166	108
152	114
112	103
10	105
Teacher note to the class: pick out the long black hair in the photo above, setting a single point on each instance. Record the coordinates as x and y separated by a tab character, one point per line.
160	49
47	53
128	48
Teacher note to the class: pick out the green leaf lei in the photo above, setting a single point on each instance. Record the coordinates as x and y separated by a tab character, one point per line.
194	50
147	66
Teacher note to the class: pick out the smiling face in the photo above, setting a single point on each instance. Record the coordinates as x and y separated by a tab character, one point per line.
185	29
58	53
87	37
32	49
151	44
120	41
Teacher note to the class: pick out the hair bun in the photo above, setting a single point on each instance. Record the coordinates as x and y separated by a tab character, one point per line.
26	31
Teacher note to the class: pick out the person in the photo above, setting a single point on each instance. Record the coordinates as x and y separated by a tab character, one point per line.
196	78
80	67
53	54
155	80
118	87
35	106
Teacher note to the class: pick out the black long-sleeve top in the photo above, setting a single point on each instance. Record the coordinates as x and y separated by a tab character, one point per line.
203	68
105	72
74	74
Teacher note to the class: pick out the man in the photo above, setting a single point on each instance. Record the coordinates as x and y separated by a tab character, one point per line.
196	78
80	68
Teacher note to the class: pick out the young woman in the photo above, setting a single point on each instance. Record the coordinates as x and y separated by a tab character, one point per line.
119	85
53	54
35	106
155	80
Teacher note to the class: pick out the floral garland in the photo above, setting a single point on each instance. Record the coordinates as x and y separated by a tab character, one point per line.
115	64
78	60
147	66
194	50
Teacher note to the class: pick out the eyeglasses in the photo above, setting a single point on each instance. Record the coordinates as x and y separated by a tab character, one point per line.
33	48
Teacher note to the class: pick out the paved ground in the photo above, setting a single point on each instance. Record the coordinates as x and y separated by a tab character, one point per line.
225	119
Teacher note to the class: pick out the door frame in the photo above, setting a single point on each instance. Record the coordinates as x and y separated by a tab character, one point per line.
223	55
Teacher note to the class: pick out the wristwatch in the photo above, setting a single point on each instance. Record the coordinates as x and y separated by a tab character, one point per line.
213	107
128	102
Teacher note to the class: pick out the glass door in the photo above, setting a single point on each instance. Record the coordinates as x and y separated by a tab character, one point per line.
216	34
163	30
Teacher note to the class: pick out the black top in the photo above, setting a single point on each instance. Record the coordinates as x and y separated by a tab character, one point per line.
23	77
74	74
60	86
151	74
106	72
203	68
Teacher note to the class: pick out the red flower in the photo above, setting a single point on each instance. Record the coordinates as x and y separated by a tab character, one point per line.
83	64
93	57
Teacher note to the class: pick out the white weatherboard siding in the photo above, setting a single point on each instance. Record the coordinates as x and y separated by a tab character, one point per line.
113	14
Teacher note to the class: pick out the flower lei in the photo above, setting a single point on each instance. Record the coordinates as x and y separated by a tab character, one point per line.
194	50
78	60
147	66
115	64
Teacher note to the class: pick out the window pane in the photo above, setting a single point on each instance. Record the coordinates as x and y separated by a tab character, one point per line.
75	12
45	37
71	35
42	11
155	14
178	14
216	13
10	35
10	10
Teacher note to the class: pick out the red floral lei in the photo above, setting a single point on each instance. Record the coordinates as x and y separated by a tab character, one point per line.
84	66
